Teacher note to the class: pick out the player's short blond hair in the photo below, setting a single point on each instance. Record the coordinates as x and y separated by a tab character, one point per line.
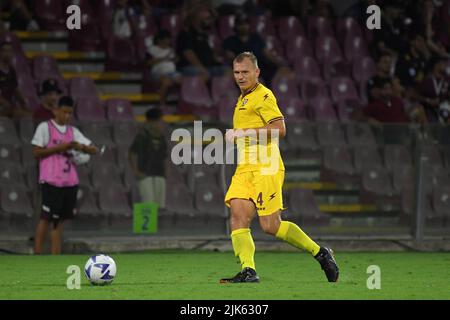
249	55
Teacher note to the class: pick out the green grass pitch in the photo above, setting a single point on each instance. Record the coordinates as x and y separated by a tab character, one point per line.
193	275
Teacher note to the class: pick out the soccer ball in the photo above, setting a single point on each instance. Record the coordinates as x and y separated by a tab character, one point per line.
100	269
79	158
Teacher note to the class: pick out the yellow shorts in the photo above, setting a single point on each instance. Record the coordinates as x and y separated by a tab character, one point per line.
265	191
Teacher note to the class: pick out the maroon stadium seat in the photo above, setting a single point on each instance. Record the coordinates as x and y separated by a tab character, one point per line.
21	65
355	47
302	206
173	23
105	174
11	174
26	129
289	27
319	27
314	88
195	97
377	187
327	47
98	133
293	108
343	88
366	156
263	25
201	174
44	64
226	26
89	109
301	135
179	200
16	201
338	167
114	201
225	108
441	201
124	133
363	69
119	110
322	110
403	177
82	87
345	26
8	132
395	156
336	67
209	200
9	153
87	203
360	134
297	48
222	87
285	88
51	14
121	55
330	134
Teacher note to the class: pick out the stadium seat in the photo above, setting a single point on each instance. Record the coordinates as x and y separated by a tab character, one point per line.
338	167
119	110
15	41
16	201
301	135
124	133
403	177
302	207
27	85
319	27
173	23
322	110
8	133
355	47
360	134
314	88
84	176
347	109
87	203
28	158
330	134
121	55
445	150
336	67
26	129
395	156
432	154
434	176
293	108
9	153
327	47
51	15
32	101
89	109
289	27
366	156
32	177
274	46
224	87
298	48
21	65
82	87
226	26
201	174
398	134
438	133
377	187
262	25
195	97
113	201
98	133
285	88
105	174
89	38
363	69
226	109
347	26
44	64
108	156
209	200
343	88
179	200
441	201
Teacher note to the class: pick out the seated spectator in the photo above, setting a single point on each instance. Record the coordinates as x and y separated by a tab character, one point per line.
50	94
162	63
243	41
21	16
121	22
434	91
384	72
196	55
433	42
12	102
386	108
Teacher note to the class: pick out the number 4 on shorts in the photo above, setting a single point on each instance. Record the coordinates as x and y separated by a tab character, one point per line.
259	200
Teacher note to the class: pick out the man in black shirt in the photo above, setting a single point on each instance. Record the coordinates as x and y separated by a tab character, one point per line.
147	156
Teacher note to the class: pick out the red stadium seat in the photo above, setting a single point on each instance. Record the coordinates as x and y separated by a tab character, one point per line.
366	156
285	87
262	25
314	88
44	64
301	135
360	134
330	134
105	174
396	156
179	200
21	65
114	201
119	110
319	27
225	108
195	97
346	26
16	201
363	69
303	207
9	153
99	133
8	132
336	67
226	26
209	200
11	174
222	87
124	133
122	55
293	108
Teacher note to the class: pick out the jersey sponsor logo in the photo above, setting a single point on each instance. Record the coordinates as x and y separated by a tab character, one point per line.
266	96
272	196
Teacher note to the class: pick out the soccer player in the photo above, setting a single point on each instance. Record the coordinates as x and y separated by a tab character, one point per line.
52	143
257	185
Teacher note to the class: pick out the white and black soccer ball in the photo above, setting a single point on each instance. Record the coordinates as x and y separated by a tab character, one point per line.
79	158
100	269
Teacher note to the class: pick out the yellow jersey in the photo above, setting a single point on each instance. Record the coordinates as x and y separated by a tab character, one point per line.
256	109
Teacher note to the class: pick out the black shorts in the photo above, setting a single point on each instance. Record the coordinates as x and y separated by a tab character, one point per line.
58	203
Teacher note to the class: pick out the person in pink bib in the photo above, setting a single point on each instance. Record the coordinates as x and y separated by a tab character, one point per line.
53	144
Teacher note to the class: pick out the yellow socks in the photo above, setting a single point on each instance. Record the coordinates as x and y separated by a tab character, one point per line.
293	235
243	247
